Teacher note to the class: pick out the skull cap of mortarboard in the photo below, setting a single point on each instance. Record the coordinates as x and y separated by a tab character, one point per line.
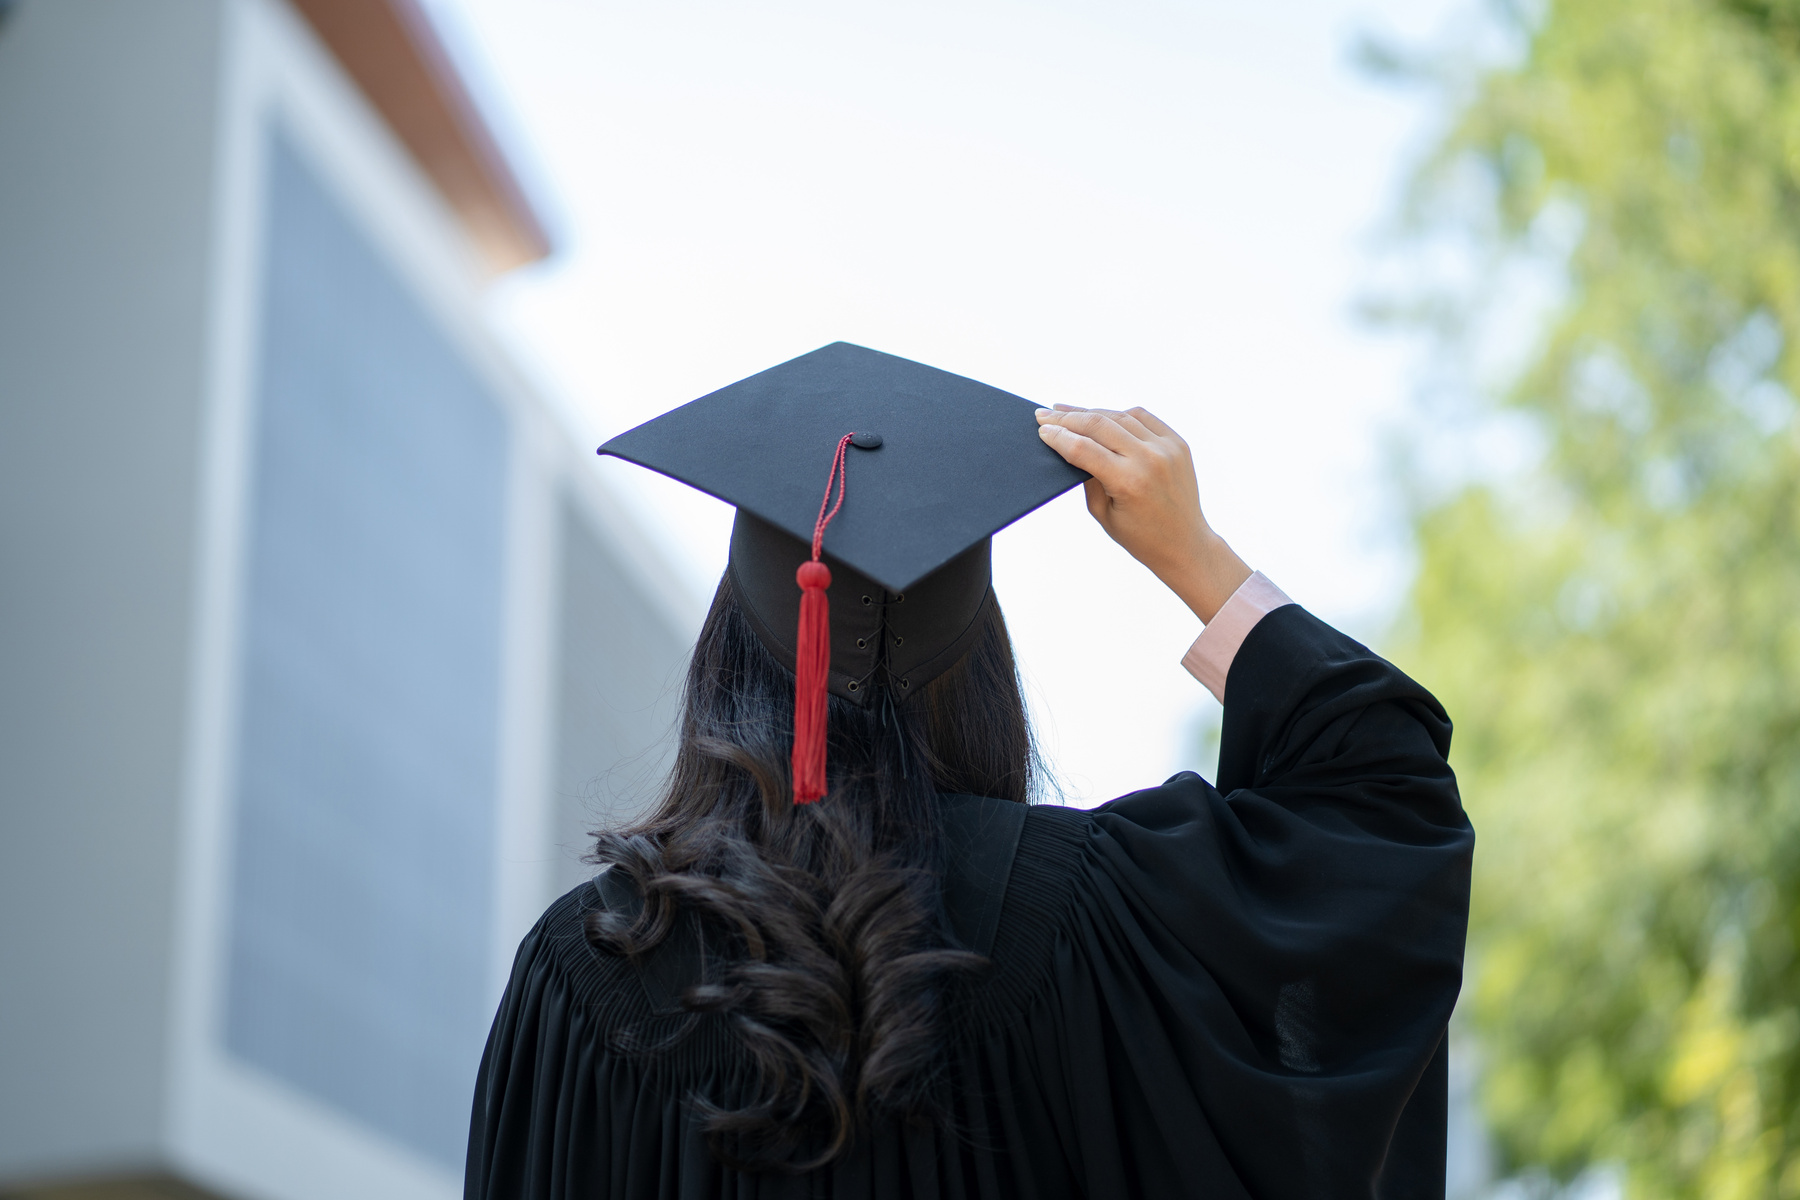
923	467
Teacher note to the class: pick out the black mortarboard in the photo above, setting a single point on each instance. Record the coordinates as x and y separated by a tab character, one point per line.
937	465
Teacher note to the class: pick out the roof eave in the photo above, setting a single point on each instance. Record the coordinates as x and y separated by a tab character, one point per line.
392	52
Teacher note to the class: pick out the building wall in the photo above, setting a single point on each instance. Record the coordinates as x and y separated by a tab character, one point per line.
106	133
320	648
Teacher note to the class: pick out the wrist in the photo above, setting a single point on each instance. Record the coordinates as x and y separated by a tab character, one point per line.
1207	576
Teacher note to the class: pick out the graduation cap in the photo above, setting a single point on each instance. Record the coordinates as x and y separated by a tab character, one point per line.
877	477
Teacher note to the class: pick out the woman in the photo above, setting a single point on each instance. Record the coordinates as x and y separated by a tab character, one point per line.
916	984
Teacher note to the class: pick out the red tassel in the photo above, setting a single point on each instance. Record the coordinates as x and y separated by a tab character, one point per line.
812	648
812	662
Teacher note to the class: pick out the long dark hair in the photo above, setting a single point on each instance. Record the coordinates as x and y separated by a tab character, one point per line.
836	958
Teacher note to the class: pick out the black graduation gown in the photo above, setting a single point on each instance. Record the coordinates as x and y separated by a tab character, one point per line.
1225	992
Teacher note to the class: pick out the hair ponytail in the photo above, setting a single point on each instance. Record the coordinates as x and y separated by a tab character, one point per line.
836	963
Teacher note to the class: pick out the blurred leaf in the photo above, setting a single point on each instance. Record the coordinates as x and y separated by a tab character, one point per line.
1617	633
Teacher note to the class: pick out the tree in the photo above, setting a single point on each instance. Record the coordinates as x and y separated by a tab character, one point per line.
1616	629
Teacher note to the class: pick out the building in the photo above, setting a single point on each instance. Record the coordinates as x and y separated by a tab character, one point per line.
318	639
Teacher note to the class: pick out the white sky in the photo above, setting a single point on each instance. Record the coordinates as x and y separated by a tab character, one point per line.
1137	202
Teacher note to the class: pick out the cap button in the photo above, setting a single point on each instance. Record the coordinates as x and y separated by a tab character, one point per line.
865	441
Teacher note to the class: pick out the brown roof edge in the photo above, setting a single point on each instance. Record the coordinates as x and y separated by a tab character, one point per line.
395	56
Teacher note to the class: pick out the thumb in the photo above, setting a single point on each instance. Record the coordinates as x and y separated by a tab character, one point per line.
1099	504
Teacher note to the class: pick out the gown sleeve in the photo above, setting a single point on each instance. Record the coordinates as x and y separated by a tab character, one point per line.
1255	987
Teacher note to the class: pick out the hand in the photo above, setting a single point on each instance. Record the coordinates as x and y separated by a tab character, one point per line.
1144	495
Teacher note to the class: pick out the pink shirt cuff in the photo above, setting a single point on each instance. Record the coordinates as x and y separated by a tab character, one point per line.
1209	658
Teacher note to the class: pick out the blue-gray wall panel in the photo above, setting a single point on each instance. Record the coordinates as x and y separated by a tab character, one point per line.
362	896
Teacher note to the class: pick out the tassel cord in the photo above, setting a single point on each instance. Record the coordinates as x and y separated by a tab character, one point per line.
812	650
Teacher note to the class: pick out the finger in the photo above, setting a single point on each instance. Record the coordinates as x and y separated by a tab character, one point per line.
1154	423
1080	452
1100	426
1127	420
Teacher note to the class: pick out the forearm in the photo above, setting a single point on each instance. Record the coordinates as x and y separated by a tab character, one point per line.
1206	575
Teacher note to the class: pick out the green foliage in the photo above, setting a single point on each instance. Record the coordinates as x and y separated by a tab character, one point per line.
1618	633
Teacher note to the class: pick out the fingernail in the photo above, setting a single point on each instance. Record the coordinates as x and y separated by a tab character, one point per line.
1045	431
1044	412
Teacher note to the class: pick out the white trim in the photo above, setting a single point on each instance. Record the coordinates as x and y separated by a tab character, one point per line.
257	1137
227	440
523	816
